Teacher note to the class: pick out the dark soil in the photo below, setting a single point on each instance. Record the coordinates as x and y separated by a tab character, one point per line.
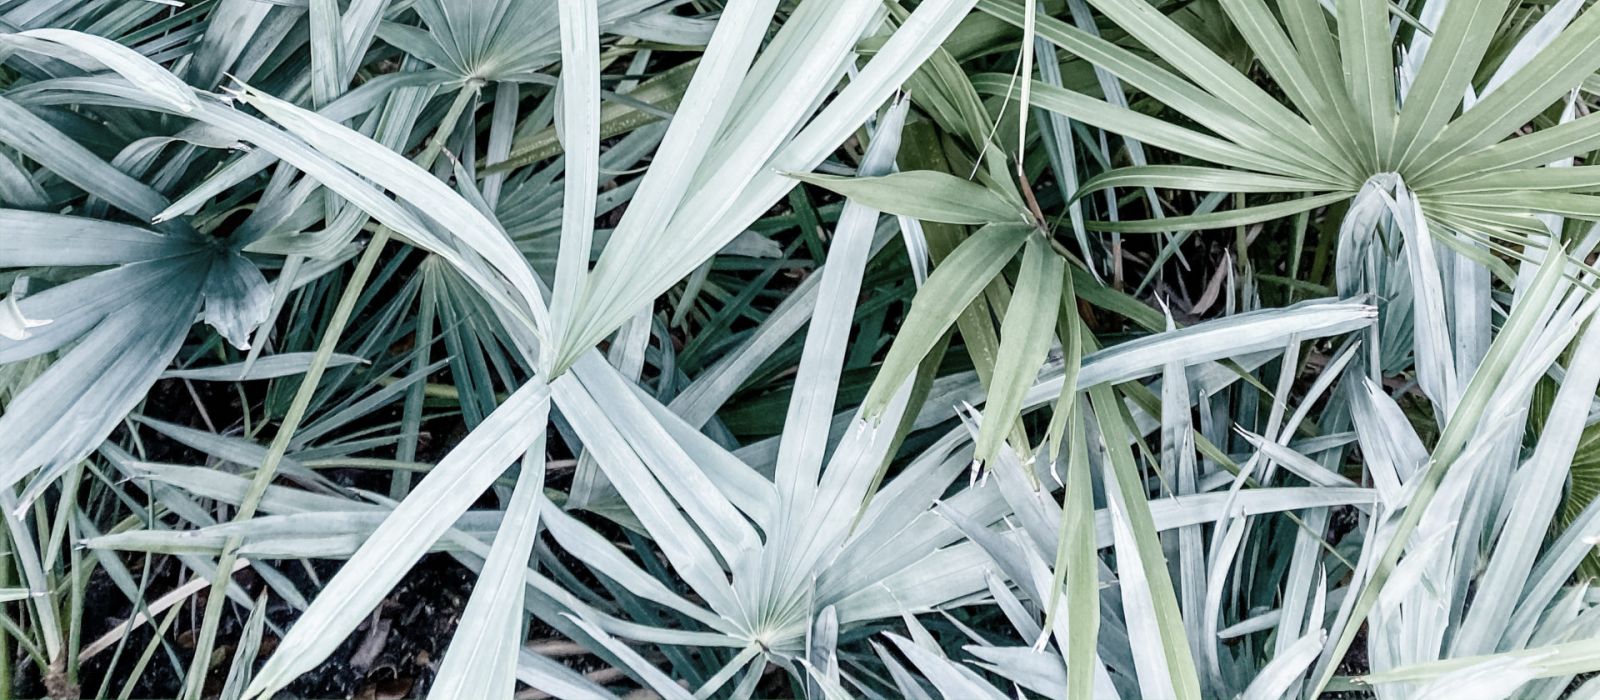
393	655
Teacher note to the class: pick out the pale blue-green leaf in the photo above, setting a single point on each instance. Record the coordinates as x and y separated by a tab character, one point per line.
604	557
907	683
426	514
580	134
244	656
557	679
14	325
716	219
65	413
807	421
1538	84
38	239
38	140
680	475
142	72
652	677
481	661
236	449
228	31
694	561
1273	681
237	298
412	184
923	194
269	367
952	680
1533	498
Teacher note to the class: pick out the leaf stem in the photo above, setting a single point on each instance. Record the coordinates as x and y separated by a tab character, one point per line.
199	668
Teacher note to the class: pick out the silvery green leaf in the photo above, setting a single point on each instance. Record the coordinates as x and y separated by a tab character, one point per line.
648	498
644	670
18	188
604	557
481	661
267	367
1533	497
709	215
42	239
427	193
1019	617
711	511
324	534
13	324
142	72
808	419
923	195
580	122
237	450
1301	465
1490	678
822	654
1436	364
227	34
244	655
1286	668
952	680
237	298
557	679
65	413
1535	40
1242	336
905	682
427	513
667	28
38	140
719	382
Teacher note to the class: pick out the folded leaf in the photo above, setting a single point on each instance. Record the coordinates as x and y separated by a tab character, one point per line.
923	194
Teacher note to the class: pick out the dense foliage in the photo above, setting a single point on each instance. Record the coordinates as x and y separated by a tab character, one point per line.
799	348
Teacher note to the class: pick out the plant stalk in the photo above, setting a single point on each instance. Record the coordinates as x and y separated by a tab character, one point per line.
200	667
